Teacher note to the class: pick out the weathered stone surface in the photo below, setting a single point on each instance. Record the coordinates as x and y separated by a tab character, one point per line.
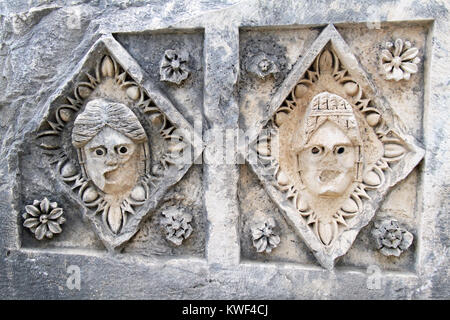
240	65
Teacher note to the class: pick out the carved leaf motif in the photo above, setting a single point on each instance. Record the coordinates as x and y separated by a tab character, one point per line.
398	47
350	206
175	147
133	92
409	54
107	67
282	178
409	67
65	114
393	150
68	170
274	240
32	210
45	205
115	218
325	232
340	219
84	91
31	222
371	179
300	90
261	245
326	62
138	193
302	204
373	119
55	213
93	81
396	74
41	231
121	78
54	227
257	233
280	118
407	240
89	195
386	55
388	67
157	120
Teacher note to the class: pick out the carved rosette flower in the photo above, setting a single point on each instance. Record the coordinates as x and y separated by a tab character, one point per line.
390	238
264	239
43	218
173	66
399	60
177	225
262	66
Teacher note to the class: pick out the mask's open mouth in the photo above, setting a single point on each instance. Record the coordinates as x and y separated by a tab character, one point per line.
112	175
328	175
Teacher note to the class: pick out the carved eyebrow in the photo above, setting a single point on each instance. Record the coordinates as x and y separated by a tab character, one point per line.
309	145
97	146
124	144
345	144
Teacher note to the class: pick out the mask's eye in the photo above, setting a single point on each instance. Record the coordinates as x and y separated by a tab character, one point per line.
123	150
316	150
340	150
100	151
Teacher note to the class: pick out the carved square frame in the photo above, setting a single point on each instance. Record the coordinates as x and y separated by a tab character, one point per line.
284	194
152	102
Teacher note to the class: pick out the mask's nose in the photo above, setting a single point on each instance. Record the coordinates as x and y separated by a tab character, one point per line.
111	159
328	158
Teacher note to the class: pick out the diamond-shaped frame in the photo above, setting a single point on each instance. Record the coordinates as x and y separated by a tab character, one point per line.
285	196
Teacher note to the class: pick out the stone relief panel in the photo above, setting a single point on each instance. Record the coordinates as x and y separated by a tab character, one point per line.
330	148
101	100
115	142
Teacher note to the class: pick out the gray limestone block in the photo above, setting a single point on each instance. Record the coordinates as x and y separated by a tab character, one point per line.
254	149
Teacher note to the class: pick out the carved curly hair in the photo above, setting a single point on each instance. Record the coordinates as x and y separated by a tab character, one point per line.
326	106
100	113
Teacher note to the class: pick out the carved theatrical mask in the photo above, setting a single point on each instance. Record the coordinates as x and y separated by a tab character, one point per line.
112	161
112	152
330	149
328	162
